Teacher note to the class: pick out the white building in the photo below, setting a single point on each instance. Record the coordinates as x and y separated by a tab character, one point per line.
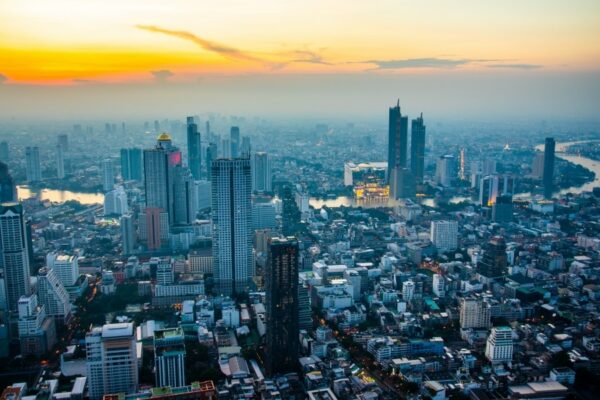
408	291
108	175
439	285
231	316
112	365
53	295
65	266
499	346
115	202
444	235
474	313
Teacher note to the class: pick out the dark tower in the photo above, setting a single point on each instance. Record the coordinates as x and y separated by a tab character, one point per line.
211	155
290	212
417	149
494	262
282	306
548	167
397	139
235	141
193	144
8	189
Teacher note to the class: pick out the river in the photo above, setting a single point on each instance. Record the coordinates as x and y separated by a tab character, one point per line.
59	196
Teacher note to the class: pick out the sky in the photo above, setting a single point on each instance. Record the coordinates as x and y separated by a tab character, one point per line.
476	58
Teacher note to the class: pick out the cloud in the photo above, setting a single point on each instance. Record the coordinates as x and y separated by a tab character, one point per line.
429	62
83	81
3	78
162	75
515	66
205	44
307	56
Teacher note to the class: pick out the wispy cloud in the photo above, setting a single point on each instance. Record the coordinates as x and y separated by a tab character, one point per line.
3	78
311	57
515	66
162	75
208	45
428	62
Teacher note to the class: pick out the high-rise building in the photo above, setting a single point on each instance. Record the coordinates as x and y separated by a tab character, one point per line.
60	161
499	346
37	332
444	235
502	210
33	167
203	194
8	189
261	172
402	183
4	152
53	295
194	148
408	291
281	280
232	225
153	227
184	196
169	357
290	213
439	285
445	170
474	313
537	166
15	253
112	365
65	266
548	177
108	175
127	234
397	139
417	149
159	165
115	202
211	155
264	216
132	164
245	147
494	262
304	311
492	186
234	142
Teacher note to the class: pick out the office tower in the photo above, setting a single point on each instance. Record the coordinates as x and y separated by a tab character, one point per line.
226	148
194	148
53	295
33	168
4	152
494	261
417	149
462	165
261	172
439	285
502	210
37	332
184	196
402	184
169	357
281	280
537	166
8	189
264	216
65	266
60	162
211	155
304	311
159	165
15	253
444	235
112	365
493	186
474	313
63	141
115	202
234	141
397	139
132	164
208	132
108	175
548	177
245	147
290	213
499	346
489	166
127	234
408	291
232	225
153	227
203	194
445	170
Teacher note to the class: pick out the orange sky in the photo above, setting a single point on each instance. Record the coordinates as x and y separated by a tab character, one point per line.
69	42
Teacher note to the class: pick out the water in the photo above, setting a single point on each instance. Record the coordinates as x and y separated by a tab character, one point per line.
59	196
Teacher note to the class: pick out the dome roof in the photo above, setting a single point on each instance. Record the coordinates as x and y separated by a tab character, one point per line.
164	137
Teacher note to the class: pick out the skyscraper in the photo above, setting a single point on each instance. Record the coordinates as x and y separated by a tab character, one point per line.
66	267
234	141
127	234
15	253
194	148
112	365
261	172
185	201
60	161
169	357
397	139
282	305
211	155
53	295
548	177
8	189
494	261
33	168
63	140
445	170
4	152
502	210
132	165
417	149
290	214
246	147
402	183
232	225
108	175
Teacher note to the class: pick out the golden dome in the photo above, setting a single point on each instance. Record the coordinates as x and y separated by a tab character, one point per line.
164	137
